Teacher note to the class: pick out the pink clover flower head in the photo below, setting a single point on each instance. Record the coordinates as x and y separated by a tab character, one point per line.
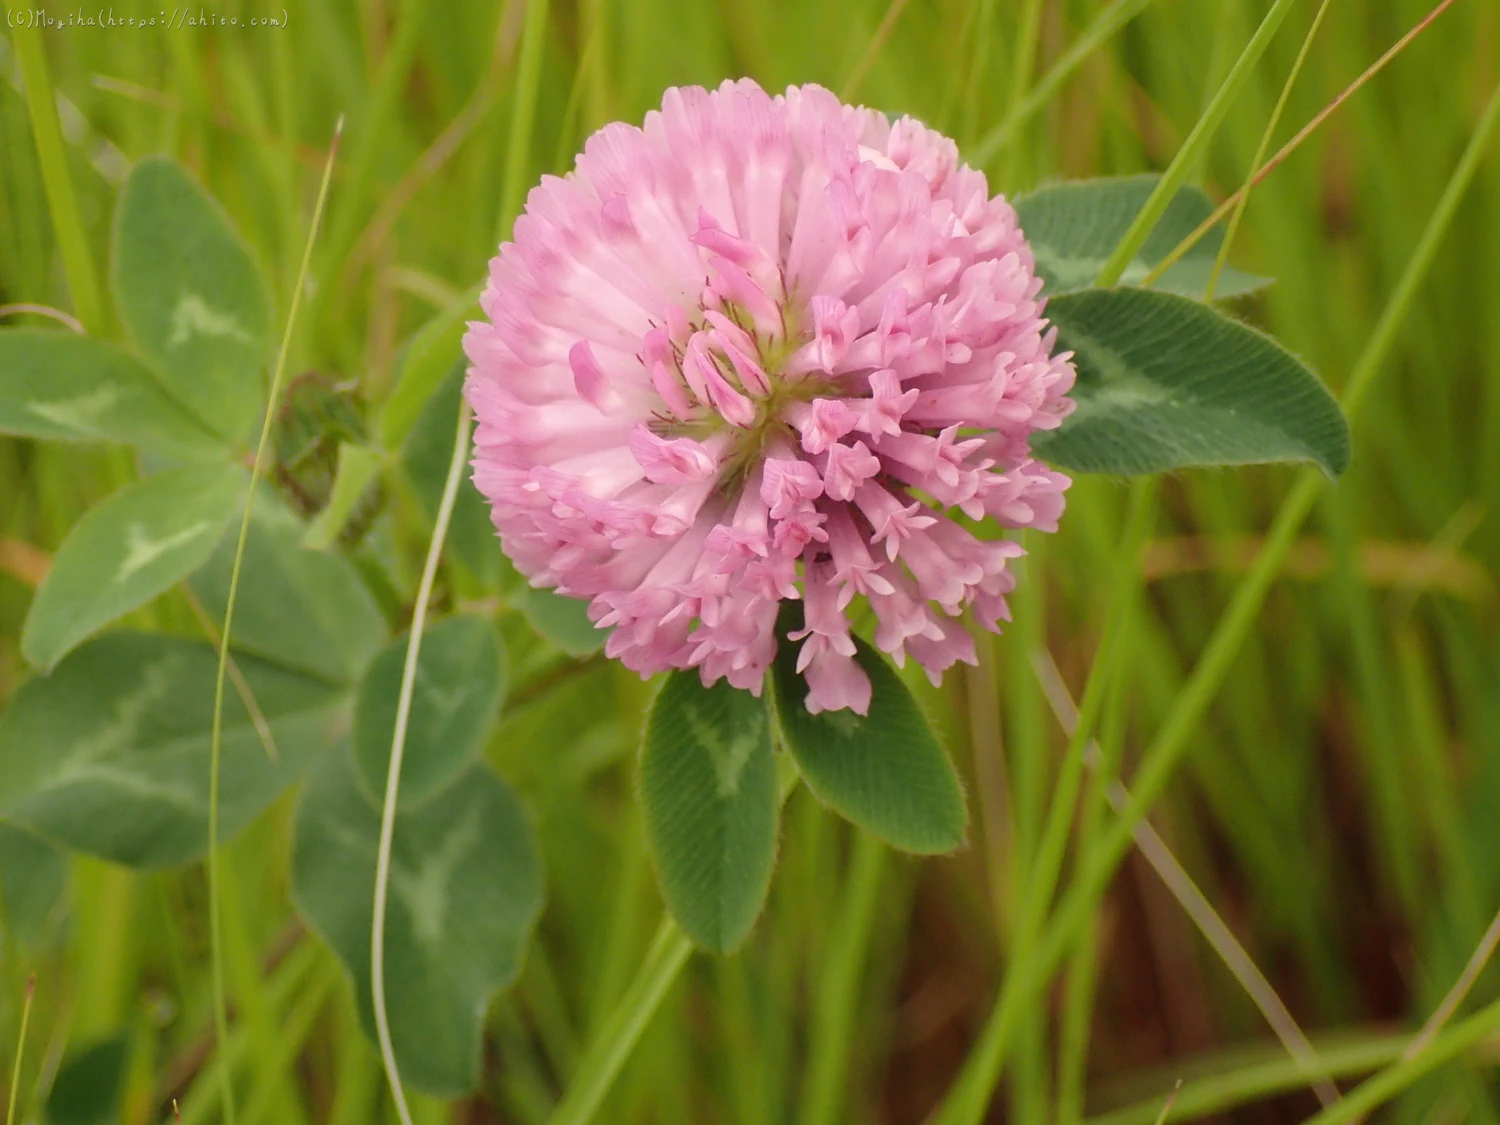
767	348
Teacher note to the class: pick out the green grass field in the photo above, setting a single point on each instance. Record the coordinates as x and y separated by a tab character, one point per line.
1338	803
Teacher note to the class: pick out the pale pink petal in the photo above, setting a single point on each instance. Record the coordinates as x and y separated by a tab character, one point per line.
683	336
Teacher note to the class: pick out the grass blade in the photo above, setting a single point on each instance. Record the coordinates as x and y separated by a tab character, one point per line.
669	952
1177	171
1194	903
982	1071
52	154
1292	145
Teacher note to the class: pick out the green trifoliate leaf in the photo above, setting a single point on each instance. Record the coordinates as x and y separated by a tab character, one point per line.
109	753
708	789
192	297
128	549
304	609
563	621
465	892
1074	227
884	771
33	881
90	1086
460	680
66	387
1167	383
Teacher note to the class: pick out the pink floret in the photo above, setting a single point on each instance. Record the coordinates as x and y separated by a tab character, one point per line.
766	348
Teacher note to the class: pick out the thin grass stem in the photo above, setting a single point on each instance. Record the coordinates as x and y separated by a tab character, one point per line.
872	49
1260	150
15	1072
1197	140
1286	150
1461	988
1399	1076
1193	901
398	752
215	921
1075	1030
837	1002
969	1097
1225	1082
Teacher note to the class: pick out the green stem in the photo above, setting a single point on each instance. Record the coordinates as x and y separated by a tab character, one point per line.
838	991
1460	989
1082	972
215	754
1022	68
371	136
1101	676
669	952
285	983
983	1069
296	1028
1177	171
52	155
1023	62
969	1098
1229	1082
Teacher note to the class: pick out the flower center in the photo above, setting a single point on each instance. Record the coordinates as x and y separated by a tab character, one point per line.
731	377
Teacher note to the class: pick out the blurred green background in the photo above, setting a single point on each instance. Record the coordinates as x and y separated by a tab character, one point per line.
1340	804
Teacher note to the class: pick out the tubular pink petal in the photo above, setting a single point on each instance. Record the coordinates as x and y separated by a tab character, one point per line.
679	461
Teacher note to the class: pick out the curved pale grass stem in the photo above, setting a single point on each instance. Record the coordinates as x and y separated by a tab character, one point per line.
1193	902
1166	1107
215	753
1194	146
398	752
27	308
